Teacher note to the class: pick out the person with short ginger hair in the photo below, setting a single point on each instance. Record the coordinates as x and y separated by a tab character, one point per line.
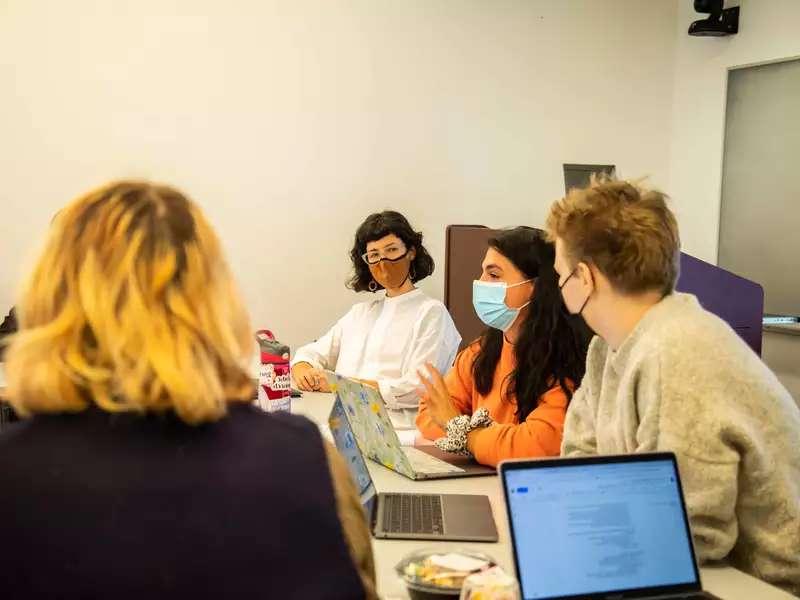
663	374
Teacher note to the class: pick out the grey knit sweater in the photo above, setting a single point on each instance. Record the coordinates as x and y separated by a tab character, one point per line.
684	381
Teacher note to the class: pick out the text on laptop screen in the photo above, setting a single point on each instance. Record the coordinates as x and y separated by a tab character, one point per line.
348	447
592	528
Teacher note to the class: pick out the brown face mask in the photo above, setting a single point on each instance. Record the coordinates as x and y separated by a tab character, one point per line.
391	274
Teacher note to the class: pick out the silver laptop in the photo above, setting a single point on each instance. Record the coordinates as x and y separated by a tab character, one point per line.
378	439
607	527
458	517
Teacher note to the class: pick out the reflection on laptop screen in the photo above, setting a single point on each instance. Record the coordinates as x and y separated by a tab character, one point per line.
593	528
348	448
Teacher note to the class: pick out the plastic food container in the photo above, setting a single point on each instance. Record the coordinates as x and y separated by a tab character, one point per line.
434	574
491	584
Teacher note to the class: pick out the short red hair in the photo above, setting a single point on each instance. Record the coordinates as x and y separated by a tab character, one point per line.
625	230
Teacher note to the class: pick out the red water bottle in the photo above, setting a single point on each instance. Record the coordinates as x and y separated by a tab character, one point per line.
274	378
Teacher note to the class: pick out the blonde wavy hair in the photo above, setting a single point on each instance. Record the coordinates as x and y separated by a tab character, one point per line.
131	307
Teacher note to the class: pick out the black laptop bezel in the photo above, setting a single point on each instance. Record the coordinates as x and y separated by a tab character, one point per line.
526	464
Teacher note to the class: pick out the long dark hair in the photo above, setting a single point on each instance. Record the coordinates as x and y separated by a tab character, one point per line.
551	347
377	226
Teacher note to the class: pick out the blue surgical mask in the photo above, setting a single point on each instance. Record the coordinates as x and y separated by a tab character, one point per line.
489	300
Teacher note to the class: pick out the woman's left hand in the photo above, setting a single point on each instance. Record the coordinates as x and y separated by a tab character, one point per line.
437	399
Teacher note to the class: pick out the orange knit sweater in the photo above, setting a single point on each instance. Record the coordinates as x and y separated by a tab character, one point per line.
539	435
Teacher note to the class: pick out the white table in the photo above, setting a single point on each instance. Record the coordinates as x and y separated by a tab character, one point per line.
725	582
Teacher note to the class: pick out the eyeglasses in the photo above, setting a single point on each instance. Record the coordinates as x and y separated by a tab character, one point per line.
391	253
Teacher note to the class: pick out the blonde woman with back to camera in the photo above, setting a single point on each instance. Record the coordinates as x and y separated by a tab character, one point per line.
141	469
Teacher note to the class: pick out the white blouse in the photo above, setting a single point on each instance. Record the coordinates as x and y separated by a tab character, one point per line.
388	340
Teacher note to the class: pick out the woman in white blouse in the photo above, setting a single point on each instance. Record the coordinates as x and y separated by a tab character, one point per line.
384	341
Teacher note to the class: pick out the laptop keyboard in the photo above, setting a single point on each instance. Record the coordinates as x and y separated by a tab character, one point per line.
412	513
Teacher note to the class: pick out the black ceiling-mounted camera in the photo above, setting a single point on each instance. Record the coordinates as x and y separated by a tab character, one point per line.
721	21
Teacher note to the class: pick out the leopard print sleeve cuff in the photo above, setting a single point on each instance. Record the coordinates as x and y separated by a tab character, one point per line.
457	429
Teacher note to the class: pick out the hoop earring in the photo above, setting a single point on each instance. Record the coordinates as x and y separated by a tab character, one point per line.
413	273
373	286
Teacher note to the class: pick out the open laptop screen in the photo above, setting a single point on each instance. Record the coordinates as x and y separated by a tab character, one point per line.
587	528
348	447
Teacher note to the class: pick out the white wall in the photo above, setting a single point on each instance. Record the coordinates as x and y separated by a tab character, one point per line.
291	121
769	30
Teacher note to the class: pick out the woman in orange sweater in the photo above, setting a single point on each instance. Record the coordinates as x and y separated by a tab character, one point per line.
507	395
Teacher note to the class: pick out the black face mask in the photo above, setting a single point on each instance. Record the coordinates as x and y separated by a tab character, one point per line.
564	302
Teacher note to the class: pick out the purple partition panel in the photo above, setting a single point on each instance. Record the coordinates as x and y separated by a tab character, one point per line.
736	300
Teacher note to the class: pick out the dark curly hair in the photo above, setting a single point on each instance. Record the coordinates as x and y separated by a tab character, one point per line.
377	226
551	348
